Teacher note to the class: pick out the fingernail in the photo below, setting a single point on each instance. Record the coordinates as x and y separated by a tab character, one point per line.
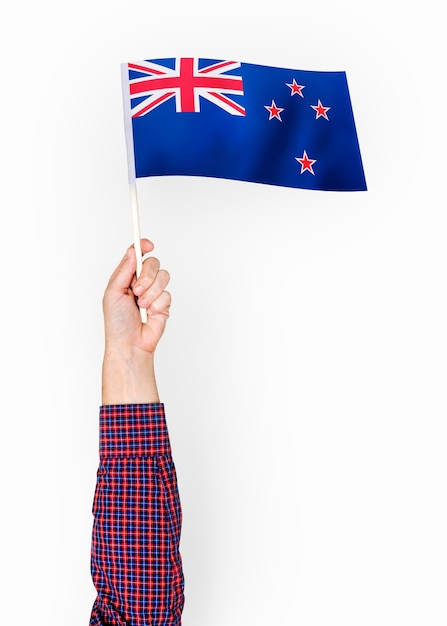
138	290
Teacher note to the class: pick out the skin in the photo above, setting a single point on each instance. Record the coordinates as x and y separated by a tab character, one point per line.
128	366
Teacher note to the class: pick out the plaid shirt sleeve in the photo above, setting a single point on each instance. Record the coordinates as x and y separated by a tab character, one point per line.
135	560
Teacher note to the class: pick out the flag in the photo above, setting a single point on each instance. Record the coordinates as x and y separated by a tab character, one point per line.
241	121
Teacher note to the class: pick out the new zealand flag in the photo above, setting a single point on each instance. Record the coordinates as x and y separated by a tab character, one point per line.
225	119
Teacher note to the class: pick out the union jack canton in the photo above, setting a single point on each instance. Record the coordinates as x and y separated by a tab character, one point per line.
186	83
225	119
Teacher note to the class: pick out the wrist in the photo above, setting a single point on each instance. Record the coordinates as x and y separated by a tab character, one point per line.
128	376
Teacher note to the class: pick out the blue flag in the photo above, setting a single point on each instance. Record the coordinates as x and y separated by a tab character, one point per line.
225	119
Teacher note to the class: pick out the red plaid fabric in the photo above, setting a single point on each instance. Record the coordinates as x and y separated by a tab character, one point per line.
135	561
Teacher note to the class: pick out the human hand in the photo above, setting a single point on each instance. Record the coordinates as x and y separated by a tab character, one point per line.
124	294
128	366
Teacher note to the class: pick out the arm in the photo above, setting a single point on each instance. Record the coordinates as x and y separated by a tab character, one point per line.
136	564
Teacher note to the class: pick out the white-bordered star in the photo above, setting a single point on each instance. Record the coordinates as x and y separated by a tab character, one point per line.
321	110
295	88
274	111
306	163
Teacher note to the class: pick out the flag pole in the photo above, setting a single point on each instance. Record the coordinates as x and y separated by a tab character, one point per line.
137	238
128	131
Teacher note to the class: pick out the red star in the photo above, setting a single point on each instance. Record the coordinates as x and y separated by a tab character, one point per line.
295	88
306	163
321	110
274	111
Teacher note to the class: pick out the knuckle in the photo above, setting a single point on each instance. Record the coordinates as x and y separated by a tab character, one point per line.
165	275
152	263
145	281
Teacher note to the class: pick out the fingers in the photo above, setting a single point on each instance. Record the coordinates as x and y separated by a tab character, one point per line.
146	246
151	283
123	275
155	289
161	304
149	288
148	274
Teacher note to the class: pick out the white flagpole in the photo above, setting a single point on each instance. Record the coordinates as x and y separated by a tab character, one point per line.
132	177
136	238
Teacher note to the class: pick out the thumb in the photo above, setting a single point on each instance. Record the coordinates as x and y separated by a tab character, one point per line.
125	271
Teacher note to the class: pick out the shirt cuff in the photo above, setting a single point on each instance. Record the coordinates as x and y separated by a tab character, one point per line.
133	430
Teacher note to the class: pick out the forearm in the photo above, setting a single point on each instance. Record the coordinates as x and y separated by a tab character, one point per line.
136	563
128	377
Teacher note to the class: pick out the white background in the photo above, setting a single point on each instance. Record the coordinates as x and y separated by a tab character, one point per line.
304	365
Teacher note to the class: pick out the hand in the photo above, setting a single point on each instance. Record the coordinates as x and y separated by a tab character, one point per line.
128	368
124	294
